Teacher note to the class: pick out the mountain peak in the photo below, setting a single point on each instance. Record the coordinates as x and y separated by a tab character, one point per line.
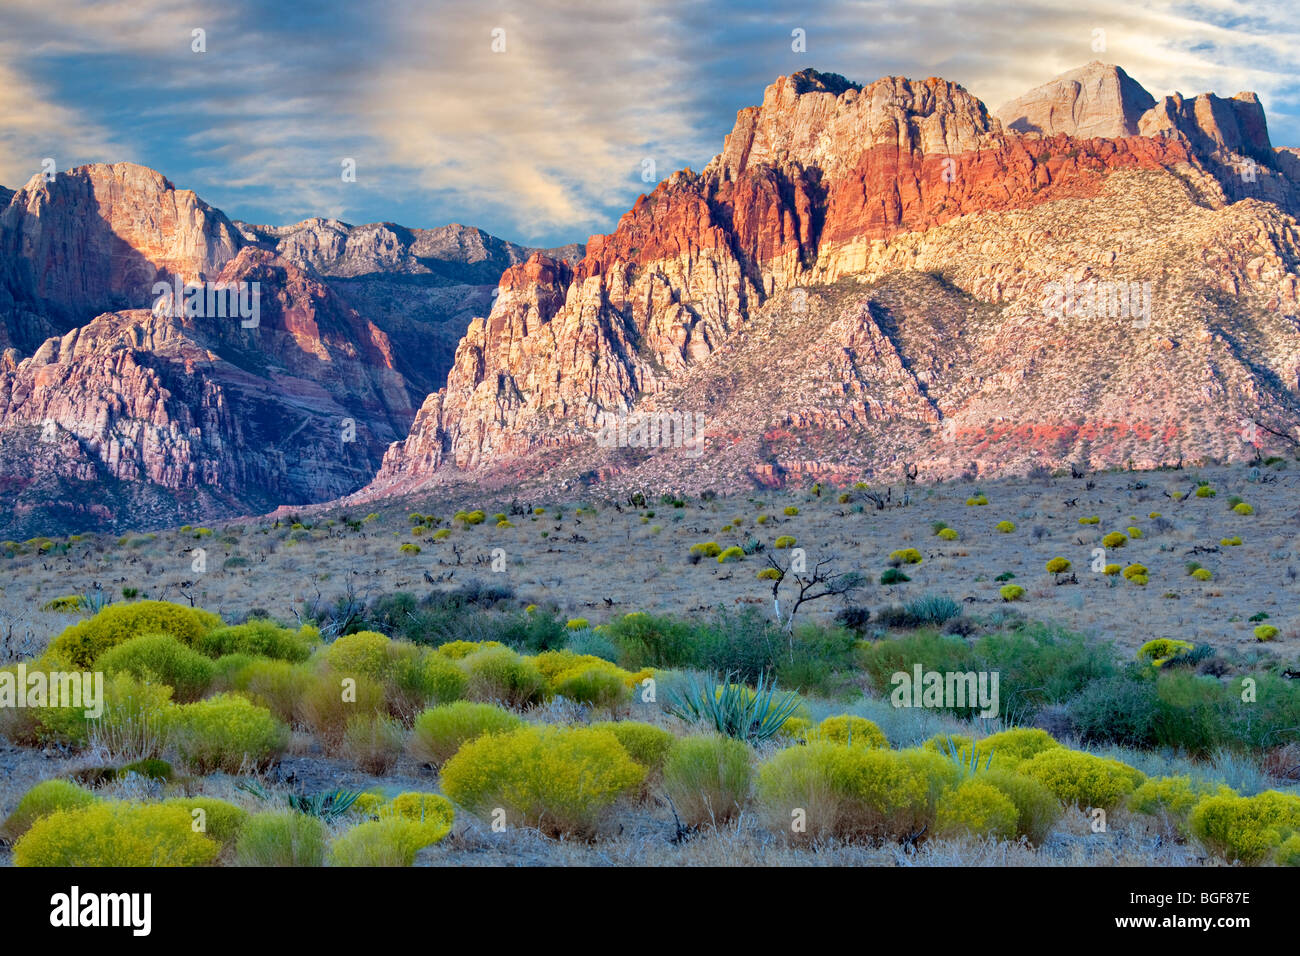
1095	100
814	81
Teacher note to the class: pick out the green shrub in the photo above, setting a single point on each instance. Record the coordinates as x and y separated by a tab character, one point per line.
150	769
218	819
499	674
113	833
262	637
1172	799
281	838
161	659
845	792
893	576
850	731
1082	779
276	685
431	811
137	720
707	779
647	744
1288	854
41	800
81	644
443	682
390	841
1205	491
330	701
440	731
602	687
1162	650
560	780
374	742
1018	743
976	808
1037	808
646	640
228	733
365	653
1245	829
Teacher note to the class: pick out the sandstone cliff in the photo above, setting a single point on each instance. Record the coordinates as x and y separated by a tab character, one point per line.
857	281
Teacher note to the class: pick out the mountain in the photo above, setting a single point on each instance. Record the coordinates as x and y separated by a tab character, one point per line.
869	280
115	412
423	286
95	239
1094	100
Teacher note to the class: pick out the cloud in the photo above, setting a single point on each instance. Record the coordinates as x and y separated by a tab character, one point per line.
544	141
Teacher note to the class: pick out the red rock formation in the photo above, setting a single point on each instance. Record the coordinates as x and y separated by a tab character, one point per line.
828	182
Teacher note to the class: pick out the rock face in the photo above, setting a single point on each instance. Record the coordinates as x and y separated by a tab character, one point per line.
113	412
1095	100
170	412
864	277
96	238
422	286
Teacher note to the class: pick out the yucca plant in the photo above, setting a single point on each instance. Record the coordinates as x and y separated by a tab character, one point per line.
969	764
732	708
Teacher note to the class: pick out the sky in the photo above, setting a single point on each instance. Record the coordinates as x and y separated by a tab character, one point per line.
537	120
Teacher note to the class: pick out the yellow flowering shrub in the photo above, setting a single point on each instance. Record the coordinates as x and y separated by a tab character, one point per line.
849	730
116	833
80	644
440	731
561	780
976	808
1245	829
1082	779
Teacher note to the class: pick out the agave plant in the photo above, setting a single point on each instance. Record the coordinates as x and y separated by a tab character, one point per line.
732	708
95	600
327	805
968	763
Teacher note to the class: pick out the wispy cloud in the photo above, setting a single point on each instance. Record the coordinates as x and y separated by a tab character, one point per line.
545	140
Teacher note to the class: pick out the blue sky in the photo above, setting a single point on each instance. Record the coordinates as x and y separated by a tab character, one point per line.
543	142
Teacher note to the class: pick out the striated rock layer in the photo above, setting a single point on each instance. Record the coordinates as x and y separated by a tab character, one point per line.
113	413
857	283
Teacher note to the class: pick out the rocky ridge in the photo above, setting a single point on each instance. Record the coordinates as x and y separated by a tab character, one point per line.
754	280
